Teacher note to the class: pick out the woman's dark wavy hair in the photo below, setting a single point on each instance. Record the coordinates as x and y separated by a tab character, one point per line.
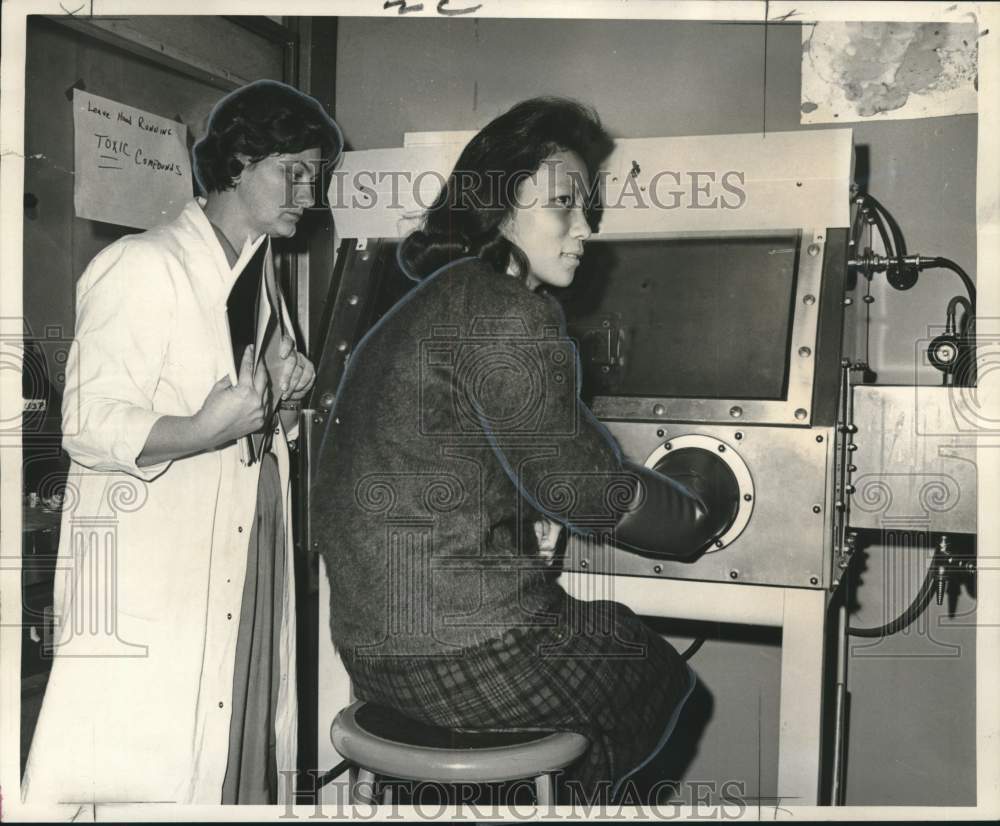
260	119
466	217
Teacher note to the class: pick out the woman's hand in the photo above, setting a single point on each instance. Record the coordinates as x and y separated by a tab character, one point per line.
231	411
295	374
547	533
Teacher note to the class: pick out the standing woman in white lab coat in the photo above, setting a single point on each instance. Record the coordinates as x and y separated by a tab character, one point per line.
173	677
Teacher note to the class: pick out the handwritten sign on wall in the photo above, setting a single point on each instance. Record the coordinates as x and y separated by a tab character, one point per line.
132	167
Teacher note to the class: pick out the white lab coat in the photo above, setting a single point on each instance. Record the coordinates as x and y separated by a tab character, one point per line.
152	560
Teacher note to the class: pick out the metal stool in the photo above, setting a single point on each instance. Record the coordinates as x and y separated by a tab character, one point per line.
380	741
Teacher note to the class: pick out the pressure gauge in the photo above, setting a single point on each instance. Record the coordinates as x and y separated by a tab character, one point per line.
943	352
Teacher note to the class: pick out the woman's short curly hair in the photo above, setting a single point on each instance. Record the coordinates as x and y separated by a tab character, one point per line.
257	120
467	217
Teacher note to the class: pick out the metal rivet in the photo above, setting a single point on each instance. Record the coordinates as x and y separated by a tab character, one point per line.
315	543
848	301
734	574
658	569
364	256
747	497
801	414
738	435
735	411
869	299
584	563
659	433
813	580
327	400
722	448
813	250
805	352
342	346
668	446
658	410
352	300
809	300
819	438
817	509
718	543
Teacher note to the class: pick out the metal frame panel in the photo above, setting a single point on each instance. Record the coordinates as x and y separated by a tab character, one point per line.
795	409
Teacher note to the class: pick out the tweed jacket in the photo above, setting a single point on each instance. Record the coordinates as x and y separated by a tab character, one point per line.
457	424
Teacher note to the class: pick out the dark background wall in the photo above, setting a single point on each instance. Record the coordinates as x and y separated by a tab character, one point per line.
913	717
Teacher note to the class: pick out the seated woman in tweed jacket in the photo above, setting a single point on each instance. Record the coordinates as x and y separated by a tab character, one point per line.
460	450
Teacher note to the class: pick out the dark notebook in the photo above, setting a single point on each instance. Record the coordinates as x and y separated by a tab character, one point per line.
243	308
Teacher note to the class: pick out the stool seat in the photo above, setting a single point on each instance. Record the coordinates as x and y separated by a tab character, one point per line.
387	743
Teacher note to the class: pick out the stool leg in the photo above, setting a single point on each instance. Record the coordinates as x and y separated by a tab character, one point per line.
363	790
543	789
387	794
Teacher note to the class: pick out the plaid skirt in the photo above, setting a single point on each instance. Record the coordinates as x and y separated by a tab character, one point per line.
598	671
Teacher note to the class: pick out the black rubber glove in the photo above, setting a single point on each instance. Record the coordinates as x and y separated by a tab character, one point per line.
678	515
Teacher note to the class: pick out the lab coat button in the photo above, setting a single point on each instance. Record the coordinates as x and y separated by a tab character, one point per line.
229	616
240	528
221	704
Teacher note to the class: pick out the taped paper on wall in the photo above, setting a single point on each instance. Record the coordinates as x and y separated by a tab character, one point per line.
132	167
888	71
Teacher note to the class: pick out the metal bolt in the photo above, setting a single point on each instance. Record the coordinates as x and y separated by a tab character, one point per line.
819	438
584	563
817	509
718	543
668	446
658	569
747	497
722	448
660	432
814	580
734	574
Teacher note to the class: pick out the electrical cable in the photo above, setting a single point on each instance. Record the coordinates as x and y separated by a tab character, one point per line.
692	649
914	610
897	234
948	264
